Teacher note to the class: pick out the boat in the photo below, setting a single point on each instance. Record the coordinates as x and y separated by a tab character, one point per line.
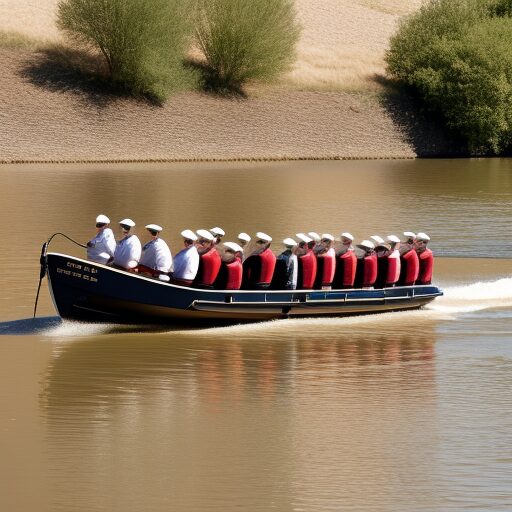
92	292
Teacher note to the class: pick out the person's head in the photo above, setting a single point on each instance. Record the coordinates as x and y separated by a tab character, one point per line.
420	244
154	230
383	249
326	242
189	237
230	250
263	241
243	239
302	246
346	239
289	244
102	221
376	239
394	242
409	237
126	226
218	233
315	239
367	247
205	241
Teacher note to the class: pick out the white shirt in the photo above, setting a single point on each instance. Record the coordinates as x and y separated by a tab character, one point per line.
157	255
128	251
295	270
103	246
186	263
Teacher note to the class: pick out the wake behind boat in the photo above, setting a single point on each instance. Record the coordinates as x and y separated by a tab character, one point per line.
93	292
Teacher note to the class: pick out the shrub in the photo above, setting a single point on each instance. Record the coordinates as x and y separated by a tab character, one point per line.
244	40
142	41
458	55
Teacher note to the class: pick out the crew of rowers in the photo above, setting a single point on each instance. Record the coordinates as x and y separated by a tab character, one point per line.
309	262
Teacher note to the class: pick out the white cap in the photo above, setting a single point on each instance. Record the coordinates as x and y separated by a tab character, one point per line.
244	236
422	236
367	244
289	242
189	234
263	236
127	222
102	219
327	236
154	227
233	246
393	238
409	234
303	238
348	236
204	233
217	231
314	236
378	239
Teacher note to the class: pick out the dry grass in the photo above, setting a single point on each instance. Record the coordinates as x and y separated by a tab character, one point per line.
9	39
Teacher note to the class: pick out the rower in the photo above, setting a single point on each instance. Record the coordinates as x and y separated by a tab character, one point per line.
230	273
156	259
209	259
382	252
259	266
366	271
307	262
128	250
409	262
243	240
186	262
326	263
426	259
315	241
218	233
393	261
285	273
101	248
346	263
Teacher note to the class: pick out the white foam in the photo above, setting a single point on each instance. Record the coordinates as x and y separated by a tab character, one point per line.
72	329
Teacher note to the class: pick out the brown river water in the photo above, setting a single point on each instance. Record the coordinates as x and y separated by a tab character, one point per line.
395	412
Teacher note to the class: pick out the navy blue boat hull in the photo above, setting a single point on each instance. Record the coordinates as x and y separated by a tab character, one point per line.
91	292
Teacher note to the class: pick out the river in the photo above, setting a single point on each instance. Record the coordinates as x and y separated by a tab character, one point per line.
393	412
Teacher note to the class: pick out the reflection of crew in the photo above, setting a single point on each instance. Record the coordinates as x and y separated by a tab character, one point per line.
156	256
307	262
409	262
259	266
209	259
366	271
285	273
101	248
426	259
186	262
326	262
346	262
230	273
128	249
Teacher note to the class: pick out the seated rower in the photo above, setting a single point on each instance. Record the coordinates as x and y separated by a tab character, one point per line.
258	268
230	273
101	248
156	259
209	260
218	233
393	261
285	273
366	271
186	262
243	240
326	263
128	250
307	263
346	263
382	252
315	241
426	259
409	261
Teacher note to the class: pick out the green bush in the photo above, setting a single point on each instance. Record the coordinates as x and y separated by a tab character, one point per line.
458	55
142	41
244	40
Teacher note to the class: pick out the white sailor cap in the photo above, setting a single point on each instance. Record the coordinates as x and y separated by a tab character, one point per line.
409	234
303	238
348	236
366	244
378	239
327	236
217	231
102	219
154	227
289	242
233	246
204	233
423	237
315	236
393	238
127	222
189	234
244	236
263	236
